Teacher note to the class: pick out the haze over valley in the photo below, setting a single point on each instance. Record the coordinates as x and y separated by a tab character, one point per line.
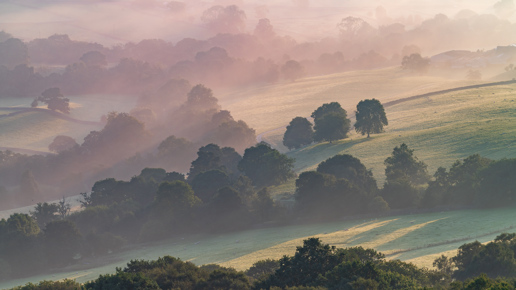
235	142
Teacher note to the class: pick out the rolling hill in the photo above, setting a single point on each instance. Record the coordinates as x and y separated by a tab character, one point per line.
441	128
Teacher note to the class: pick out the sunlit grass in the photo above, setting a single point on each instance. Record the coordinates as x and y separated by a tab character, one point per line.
36	130
269	107
441	129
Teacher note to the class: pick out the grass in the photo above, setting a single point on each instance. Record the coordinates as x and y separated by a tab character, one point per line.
35	130
409	236
269	107
441	129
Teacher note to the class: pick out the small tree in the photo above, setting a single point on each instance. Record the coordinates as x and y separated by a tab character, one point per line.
54	99
62	143
63	208
299	133
474	75
415	62
370	117
292	70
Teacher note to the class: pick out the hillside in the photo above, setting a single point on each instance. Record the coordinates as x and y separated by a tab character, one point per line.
441	129
35	130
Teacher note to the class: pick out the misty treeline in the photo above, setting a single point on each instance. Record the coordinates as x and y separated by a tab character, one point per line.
126	145
313	266
232	57
225	191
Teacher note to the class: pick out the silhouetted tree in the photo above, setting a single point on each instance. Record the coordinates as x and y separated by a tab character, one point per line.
44	213
94	58
220	19
370	117
415	62
207	183
62	143
331	122
292	70
62	242
55	100
28	185
266	166
350	168
299	133
402	164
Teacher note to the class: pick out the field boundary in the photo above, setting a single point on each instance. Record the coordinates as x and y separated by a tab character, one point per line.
259	137
20	110
395	252
398	101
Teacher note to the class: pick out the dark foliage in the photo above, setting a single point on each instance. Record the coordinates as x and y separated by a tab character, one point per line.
299	133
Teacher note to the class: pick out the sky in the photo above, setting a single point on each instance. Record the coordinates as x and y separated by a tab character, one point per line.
115	22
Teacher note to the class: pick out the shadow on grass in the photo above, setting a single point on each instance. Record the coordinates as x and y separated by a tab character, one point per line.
312	155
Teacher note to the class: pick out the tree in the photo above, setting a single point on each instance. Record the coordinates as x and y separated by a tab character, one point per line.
299	133
350	168
175	153
415	63
220	19
353	28
474	75
207	183
331	127
54	99
94	58
28	185
21	225
63	208
62	143
201	99
175	198
266	166
62	241
331	122
404	173
212	157
264	30
44	213
402	164
370	117
292	70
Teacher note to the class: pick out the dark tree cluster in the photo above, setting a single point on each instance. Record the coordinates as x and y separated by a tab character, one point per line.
341	186
331	123
224	191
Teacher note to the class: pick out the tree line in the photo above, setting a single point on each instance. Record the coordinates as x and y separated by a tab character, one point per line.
331	123
314	266
224	191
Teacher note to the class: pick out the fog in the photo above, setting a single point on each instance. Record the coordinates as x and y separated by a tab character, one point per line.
179	162
114	22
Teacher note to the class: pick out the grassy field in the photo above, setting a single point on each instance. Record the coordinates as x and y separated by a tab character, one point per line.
35	130
408	238
441	129
269	107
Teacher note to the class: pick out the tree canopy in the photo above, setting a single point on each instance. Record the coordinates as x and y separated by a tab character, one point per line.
54	99
266	166
370	117
299	133
331	122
